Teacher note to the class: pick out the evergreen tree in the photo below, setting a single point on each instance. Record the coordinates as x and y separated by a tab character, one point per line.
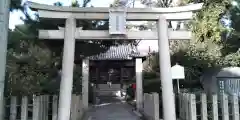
33	65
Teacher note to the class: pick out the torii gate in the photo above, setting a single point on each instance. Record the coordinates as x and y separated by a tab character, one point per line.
116	32
117	19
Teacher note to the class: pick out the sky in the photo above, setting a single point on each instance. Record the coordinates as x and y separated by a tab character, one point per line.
143	45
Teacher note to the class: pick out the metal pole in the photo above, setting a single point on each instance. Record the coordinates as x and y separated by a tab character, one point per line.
178	88
67	70
165	70
4	21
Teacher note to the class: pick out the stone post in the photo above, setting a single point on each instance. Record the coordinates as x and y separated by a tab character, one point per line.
4	18
85	82
139	90
67	70
165	71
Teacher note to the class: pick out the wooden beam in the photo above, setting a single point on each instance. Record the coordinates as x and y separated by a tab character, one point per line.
105	16
104	35
102	13
190	7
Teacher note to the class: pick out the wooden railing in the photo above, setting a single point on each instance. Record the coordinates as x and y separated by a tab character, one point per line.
211	107
195	106
44	107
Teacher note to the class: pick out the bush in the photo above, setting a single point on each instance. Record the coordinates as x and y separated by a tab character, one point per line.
149	75
130	93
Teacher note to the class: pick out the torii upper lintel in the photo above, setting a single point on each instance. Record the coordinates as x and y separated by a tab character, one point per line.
102	13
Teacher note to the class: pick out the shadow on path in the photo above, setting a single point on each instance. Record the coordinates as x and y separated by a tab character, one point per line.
111	111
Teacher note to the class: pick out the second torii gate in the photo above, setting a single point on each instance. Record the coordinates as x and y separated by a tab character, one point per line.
118	15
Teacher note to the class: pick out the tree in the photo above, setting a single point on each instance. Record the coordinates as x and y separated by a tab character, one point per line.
212	28
29	62
232	43
205	51
15	4
33	65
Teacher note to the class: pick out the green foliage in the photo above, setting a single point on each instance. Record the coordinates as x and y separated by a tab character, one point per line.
32	67
149	75
28	64
208	49
157	3
153	85
33	64
77	79
232	59
15	4
207	26
130	93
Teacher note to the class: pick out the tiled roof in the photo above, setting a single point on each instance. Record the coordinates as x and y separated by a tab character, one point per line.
121	52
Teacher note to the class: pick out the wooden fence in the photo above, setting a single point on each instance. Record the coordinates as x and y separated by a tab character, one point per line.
213	107
42	107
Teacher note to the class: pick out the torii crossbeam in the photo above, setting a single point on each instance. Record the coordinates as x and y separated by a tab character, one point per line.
70	33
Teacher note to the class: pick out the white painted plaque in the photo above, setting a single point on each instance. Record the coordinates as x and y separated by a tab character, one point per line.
178	72
117	21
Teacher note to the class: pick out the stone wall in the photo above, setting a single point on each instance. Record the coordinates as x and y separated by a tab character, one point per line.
151	106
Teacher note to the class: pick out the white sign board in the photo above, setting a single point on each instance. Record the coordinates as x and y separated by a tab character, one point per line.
178	72
117	21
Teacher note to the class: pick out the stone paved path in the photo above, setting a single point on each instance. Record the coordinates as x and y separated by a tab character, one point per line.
111	111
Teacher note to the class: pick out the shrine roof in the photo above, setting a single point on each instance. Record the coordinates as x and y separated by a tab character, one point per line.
121	52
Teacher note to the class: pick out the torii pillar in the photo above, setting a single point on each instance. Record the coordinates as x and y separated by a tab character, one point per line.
67	69
4	18
165	70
